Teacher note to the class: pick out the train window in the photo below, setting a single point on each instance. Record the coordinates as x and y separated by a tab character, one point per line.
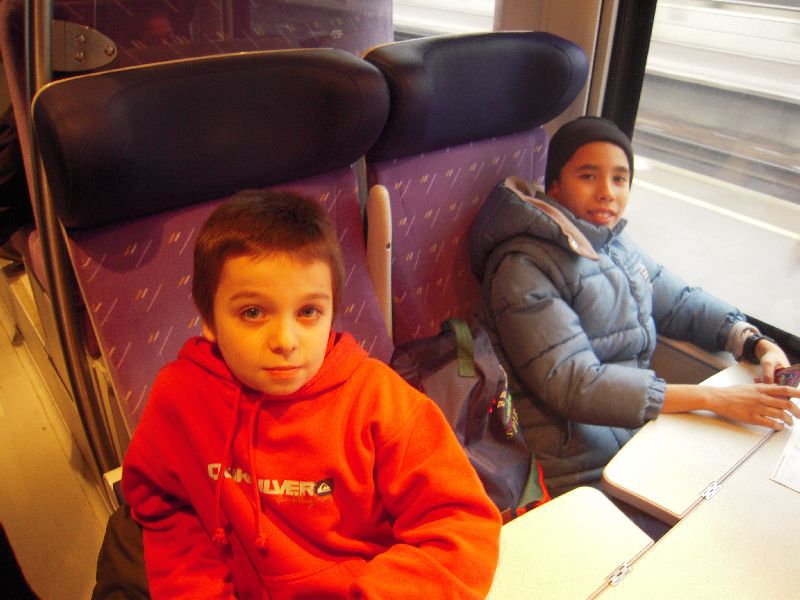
717	138
416	18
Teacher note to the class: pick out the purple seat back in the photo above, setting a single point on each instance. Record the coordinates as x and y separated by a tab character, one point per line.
134	188
466	111
434	198
136	280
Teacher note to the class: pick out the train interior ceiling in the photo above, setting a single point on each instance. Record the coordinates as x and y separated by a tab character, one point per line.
716	198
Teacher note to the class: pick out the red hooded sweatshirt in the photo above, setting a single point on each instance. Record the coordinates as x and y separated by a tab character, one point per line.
353	486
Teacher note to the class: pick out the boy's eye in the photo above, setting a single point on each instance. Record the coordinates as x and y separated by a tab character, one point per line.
621	179
308	312
251	313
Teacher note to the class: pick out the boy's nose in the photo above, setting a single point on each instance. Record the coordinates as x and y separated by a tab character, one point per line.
282	336
605	192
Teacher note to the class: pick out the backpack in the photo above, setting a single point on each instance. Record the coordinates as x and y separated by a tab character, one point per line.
459	370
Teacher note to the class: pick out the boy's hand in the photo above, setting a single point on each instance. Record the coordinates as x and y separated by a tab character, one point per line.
759	404
770	357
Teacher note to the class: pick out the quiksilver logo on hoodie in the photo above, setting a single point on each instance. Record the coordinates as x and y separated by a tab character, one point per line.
275	487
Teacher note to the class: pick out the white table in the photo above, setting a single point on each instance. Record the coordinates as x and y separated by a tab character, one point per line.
566	548
665	468
744	542
741	539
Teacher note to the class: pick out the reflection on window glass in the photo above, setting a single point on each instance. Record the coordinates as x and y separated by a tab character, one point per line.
718	131
414	18
141	28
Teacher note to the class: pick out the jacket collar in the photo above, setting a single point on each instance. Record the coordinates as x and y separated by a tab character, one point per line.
579	236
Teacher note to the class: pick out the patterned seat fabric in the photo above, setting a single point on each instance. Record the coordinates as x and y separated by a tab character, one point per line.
466	111
136	280
434	198
132	201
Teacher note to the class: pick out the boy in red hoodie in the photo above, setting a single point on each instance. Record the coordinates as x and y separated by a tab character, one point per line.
275	459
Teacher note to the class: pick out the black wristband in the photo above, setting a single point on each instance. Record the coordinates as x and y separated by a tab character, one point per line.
749	347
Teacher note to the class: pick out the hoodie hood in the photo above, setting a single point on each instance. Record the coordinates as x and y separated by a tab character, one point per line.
342	357
519	208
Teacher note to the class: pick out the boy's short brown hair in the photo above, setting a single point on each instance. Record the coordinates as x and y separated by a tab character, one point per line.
260	223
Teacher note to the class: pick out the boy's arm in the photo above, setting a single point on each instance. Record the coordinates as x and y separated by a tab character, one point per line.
550	353
688	313
181	560
447	529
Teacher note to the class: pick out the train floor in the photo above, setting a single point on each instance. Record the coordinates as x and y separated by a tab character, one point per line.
53	513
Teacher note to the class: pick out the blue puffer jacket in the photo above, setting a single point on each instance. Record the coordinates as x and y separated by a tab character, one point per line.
573	310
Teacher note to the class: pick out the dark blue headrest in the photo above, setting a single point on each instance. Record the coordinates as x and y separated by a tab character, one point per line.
449	90
129	142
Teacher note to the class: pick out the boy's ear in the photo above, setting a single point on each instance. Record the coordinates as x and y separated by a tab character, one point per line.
208	333
554	190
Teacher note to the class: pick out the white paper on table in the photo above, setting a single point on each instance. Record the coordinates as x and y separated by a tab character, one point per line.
787	469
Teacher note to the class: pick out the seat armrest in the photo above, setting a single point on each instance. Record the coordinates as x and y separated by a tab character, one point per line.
113	486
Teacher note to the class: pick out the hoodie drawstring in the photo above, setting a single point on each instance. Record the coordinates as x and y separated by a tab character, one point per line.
261	538
220	538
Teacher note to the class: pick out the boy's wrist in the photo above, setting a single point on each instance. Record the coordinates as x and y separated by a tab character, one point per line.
749	350
706	398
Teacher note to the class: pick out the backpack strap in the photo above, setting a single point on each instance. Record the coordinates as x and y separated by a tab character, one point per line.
465	349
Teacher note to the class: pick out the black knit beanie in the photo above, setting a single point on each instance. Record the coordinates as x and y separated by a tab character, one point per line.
573	135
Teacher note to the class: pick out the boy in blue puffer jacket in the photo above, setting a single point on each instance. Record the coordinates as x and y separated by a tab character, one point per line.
574	306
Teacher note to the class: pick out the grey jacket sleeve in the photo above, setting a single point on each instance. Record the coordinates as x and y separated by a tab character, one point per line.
542	338
688	313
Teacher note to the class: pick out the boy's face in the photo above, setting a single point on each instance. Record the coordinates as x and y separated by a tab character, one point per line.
594	183
272	320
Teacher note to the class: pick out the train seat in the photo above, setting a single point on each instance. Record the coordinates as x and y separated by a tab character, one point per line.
148	31
137	158
465	112
121	19
196	28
